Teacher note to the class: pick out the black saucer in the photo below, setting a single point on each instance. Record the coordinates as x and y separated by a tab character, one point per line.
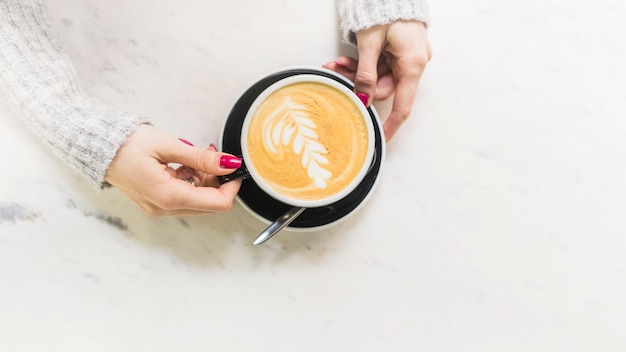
269	208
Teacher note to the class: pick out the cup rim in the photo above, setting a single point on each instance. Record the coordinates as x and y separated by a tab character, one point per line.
266	209
364	114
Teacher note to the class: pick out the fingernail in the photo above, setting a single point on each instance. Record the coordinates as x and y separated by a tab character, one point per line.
363	97
185	141
212	146
230	162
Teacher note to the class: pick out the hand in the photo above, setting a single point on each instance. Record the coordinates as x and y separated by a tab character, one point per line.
391	60
141	170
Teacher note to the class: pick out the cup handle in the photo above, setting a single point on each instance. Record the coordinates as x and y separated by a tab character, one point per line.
240	173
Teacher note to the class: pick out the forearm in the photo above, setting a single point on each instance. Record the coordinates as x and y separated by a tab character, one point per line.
40	79
357	15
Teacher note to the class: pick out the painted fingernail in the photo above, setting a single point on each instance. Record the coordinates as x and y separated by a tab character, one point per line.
363	97
230	162
185	141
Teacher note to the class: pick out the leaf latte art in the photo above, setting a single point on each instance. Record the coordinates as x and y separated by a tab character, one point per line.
307	140
290	124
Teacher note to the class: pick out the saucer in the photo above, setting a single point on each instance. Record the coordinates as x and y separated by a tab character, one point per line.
267	208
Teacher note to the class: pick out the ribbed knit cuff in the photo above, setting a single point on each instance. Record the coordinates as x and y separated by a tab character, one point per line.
357	15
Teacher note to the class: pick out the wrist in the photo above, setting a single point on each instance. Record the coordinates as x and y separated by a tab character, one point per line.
359	15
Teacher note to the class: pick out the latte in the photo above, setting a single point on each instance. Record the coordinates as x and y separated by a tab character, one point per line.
308	141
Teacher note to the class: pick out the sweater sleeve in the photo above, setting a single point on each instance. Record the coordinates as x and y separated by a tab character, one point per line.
38	77
357	15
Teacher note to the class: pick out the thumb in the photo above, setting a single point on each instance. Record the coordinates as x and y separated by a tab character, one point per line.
369	45
205	160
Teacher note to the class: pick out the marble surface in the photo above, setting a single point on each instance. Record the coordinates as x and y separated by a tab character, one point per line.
498	224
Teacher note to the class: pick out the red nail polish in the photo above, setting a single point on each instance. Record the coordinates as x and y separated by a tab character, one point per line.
185	141
230	162
363	97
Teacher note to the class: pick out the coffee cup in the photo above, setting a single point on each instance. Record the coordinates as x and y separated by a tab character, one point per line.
306	141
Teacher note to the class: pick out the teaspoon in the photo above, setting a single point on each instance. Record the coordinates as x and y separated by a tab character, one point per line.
278	225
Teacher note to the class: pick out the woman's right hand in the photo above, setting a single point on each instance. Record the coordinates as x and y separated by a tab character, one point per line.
141	170
392	58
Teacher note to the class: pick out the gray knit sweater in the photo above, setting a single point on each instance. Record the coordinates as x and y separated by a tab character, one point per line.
37	76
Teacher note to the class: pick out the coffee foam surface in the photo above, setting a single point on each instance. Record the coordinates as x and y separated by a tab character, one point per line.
307	140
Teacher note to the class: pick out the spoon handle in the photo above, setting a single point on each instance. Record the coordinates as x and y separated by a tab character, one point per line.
278	225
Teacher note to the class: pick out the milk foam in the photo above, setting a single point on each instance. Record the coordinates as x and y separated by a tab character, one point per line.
307	141
289	124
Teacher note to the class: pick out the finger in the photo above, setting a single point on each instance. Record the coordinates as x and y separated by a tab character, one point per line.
346	66
407	61
369	45
184	172
158	212
383	65
348	62
406	90
180	196
333	66
385	87
208	180
208	161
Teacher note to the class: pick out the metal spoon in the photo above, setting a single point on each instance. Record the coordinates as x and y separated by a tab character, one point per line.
278	225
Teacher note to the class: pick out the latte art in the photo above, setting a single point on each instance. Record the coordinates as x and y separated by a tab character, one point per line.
291	125
307	141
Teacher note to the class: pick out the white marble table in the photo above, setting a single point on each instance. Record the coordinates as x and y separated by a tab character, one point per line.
498	224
